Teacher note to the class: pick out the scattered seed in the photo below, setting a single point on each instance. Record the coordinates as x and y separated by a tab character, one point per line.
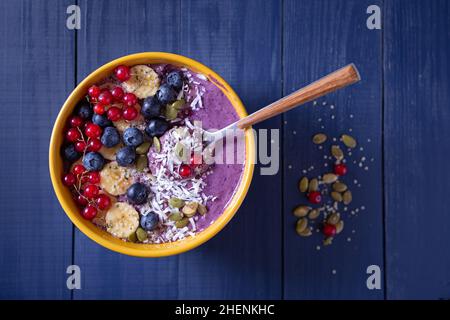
141	234
301	211
182	223
314	214
303	184
337	152
301	225
328	241
143	148
176	202
333	218
347	197
339	226
176	216
306	233
329	178
339	186
179	151
319	138
336	196
202	209
190	209
313	185
349	141
156	144
132	237
141	162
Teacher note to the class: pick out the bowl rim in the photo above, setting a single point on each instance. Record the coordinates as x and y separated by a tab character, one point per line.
144	250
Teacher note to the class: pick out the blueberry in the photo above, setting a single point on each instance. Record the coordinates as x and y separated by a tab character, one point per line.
110	137
101	120
84	109
125	156
156	127
151	107
69	153
93	161
175	80
166	94
149	221
137	193
133	137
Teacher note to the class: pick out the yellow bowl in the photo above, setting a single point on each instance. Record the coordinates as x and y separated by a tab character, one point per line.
105	239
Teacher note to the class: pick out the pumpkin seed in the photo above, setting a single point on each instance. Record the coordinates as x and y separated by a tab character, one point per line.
141	234
319	138
176	202
176	216
349	141
337	152
143	147
339	226
179	151
313	185
156	144
339	186
301	211
132	237
333	218
141	162
328	241
336	196
190	209
301	225
182	223
179	104
313	214
306	233
170	112
329	178
303	184
347	197
202	209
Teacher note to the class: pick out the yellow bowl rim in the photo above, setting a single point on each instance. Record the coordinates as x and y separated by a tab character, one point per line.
142	250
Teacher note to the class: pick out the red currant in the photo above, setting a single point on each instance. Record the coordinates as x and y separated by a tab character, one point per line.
122	73
78	169
129	99
73	134
69	179
105	97
75	121
90	191
81	200
94	91
329	230
196	160
92	130
94	144
99	108
315	197
114	114
89	212
117	93
80	146
93	177
185	170
129	113
340	169
103	202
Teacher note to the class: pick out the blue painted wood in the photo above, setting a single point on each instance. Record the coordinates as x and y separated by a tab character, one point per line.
241	41
36	75
417	139
320	36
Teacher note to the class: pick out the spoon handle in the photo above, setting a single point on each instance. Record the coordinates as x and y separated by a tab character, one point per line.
332	82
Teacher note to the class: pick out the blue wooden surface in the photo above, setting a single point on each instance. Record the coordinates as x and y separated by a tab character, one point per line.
264	49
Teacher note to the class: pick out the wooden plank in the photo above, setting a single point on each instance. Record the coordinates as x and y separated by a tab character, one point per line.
113	29
417	140
37	73
319	37
241	41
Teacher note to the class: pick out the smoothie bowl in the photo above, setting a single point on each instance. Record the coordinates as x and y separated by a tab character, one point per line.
128	162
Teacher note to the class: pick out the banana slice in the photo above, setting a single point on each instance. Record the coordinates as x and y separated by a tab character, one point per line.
139	121
110	153
115	179
121	220
144	81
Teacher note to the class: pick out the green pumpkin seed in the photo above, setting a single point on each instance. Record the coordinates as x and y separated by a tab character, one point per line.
179	104
314	214
301	225
176	202
333	218
303	184
339	186
202	209
337	152
339	226
176	216
319	138
336	196
329	178
170	112
190	209
301	211
349	141
156	144
305	233
179	151
347	197
313	185
328	241
143	147
141	234
182	223
132	237
141	163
